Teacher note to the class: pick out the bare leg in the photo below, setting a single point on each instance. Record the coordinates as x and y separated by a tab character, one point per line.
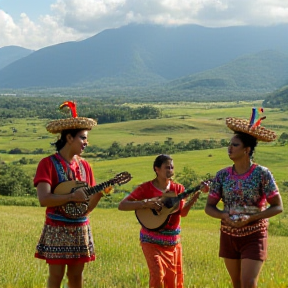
233	267
74	274
56	273
250	272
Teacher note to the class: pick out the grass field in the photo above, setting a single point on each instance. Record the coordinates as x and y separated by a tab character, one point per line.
120	262
181	121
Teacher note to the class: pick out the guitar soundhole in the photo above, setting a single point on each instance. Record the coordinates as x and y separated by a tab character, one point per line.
170	202
75	210
154	212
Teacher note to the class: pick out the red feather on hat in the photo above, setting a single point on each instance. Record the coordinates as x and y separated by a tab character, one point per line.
72	106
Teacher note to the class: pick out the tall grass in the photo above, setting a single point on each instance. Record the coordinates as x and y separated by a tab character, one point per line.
120	262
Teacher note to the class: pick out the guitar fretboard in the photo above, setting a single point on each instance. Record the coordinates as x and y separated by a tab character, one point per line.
188	191
99	187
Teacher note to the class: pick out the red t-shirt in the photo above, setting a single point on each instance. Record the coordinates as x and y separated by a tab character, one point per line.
147	190
46	172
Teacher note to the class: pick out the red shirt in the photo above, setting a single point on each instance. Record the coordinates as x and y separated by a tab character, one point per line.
46	172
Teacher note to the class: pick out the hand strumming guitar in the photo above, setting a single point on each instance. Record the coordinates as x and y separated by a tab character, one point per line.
78	196
153	203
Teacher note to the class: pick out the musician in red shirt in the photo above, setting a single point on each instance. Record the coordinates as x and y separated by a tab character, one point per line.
66	242
161	247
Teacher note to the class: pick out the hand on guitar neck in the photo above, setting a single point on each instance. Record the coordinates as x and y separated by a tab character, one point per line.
203	188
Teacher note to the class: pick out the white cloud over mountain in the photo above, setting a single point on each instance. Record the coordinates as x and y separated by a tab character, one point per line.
70	20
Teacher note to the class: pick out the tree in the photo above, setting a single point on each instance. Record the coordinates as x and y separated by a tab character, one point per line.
187	177
14	181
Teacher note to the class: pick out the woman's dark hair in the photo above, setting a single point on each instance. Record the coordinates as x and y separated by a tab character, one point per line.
247	140
60	143
160	159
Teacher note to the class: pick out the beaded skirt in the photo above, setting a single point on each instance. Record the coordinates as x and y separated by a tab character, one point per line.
65	243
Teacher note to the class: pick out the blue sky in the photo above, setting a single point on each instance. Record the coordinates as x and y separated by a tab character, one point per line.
33	8
35	24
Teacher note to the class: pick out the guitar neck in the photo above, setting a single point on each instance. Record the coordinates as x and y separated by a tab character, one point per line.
99	187
188	192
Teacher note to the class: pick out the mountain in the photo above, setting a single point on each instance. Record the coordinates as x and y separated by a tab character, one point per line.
254	73
188	58
278	98
9	54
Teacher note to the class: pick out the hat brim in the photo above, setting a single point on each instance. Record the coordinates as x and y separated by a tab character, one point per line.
241	125
57	126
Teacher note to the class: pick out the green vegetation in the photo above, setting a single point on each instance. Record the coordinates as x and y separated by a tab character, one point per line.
44	108
120	262
14	181
279	98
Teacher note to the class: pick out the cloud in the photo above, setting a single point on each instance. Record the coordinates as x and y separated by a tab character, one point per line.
71	20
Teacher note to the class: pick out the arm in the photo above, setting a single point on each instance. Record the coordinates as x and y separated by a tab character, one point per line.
187	206
48	199
94	199
212	210
275	208
128	204
204	188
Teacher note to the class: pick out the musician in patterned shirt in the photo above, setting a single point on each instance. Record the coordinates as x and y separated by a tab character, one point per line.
65	242
245	189
162	248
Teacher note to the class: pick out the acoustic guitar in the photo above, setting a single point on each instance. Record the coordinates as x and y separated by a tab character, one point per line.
75	210
156	220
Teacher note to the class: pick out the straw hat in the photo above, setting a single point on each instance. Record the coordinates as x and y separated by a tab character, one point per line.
75	122
252	127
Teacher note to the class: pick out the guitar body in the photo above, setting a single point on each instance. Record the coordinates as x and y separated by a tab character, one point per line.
153	220
68	187
76	210
72	210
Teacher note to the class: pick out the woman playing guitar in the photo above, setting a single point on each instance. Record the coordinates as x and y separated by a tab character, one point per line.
162	248
66	242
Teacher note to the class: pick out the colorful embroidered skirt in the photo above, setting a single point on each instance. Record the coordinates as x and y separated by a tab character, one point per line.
65	243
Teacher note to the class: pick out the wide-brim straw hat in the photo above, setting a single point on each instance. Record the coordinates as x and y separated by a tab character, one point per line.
251	127
75	122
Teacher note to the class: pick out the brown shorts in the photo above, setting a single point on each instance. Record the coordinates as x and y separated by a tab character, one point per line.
253	246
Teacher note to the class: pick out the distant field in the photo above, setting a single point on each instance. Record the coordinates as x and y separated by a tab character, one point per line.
185	121
182	122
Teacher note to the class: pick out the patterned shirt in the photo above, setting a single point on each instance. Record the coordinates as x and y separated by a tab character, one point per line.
246	193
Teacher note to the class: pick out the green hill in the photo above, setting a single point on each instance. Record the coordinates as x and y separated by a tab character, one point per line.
279	98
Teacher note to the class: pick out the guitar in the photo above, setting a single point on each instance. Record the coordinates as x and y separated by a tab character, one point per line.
155	220
75	210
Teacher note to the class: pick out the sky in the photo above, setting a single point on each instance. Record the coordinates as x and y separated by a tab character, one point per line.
34	24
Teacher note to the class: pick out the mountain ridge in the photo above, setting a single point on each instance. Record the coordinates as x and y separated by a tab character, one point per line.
10	54
157	57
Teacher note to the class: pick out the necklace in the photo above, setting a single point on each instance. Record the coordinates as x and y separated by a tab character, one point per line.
67	162
236	173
